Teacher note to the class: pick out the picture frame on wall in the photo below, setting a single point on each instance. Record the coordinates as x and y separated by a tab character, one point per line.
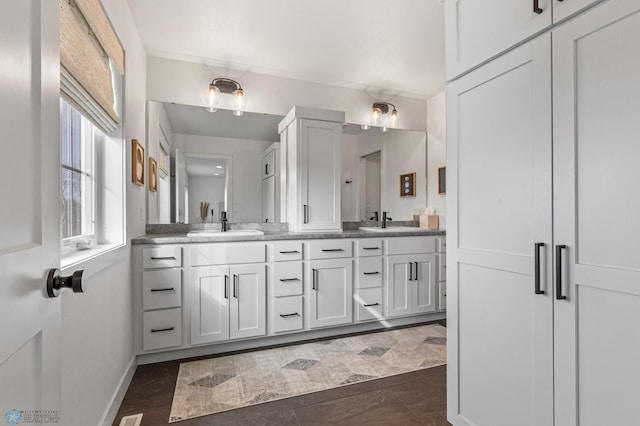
153	175
408	185
137	162
442	180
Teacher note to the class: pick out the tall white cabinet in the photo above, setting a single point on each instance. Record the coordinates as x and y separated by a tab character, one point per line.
543	232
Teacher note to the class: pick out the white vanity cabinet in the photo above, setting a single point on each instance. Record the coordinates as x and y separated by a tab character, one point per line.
369	280
227	301
286	287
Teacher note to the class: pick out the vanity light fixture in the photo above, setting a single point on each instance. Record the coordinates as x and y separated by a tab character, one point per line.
380	108
225	85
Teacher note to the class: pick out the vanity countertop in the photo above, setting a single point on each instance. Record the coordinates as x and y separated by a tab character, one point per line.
182	238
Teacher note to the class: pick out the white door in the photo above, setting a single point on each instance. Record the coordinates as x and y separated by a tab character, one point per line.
424	283
399	293
596	199
29	218
248	301
476	31
331	292
500	353
269	199
320	174
210	289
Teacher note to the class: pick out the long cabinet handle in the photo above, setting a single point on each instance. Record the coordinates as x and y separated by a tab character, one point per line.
162	289
163	258
536	7
370	248
410	271
289	252
416	277
538	246
284	280
371	304
306	214
235	286
332	250
371	273
559	249
158	330
295	314
226	286
314	285
266	169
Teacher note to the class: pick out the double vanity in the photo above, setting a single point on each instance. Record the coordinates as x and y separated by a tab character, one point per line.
200	292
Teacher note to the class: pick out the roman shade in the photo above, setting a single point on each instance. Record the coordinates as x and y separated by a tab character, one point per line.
91	62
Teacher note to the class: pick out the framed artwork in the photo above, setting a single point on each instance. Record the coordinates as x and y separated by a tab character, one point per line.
408	185
442	180
137	163
153	175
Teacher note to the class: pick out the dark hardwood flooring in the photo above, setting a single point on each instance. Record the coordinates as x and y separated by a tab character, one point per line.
416	398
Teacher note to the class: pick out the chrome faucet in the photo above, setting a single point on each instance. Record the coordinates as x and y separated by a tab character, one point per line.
224	222
385	219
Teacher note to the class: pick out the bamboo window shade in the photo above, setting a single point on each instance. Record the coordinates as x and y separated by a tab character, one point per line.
89	55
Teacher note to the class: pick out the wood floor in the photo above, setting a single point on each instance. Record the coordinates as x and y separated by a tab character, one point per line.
416	398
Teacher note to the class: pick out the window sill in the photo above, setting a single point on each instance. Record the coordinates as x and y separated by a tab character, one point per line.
93	260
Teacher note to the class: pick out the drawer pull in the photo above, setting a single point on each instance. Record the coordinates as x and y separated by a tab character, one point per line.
370	248
295	314
158	330
284	280
332	250
314	285
416	276
371	273
536	7
226	286
371	304
163	289
235	286
163	258
289	252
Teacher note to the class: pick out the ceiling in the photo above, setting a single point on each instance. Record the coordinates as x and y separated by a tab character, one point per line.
384	47
197	166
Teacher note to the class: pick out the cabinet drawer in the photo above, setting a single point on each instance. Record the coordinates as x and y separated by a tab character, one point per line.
442	267
287	314
161	329
369	272
287	278
369	304
330	249
161	257
287	250
226	254
162	289
409	245
441	244
370	247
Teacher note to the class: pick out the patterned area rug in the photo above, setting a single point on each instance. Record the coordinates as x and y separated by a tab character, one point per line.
219	384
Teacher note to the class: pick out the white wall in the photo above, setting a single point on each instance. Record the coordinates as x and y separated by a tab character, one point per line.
436	153
246	177
97	337
209	189
185	83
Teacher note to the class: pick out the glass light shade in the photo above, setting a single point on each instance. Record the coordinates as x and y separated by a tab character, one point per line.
393	118
212	96
376	115
239	102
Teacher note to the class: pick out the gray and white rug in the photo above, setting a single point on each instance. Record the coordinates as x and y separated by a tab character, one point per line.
219	384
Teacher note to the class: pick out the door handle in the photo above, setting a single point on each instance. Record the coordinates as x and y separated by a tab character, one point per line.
162	289
284	280
295	314
266	169
289	252
235	286
371	304
371	273
226	286
332	250
559	249
163	258
410	271
306	214
56	282
538	246
158	330
314	285
416	277
536	7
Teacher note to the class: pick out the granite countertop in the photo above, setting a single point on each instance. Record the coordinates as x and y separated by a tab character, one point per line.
182	238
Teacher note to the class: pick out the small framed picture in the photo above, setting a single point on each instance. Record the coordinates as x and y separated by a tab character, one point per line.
153	175
137	163
442	180
408	185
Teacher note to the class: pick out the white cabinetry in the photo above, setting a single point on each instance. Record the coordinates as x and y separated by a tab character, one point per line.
312	145
411	284
286	287
368	294
476	31
551	335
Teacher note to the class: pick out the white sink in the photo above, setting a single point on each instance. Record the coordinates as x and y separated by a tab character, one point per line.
389	229
232	233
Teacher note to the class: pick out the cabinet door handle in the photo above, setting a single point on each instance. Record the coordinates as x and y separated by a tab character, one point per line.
314	285
371	273
410	271
266	169
158	330
284	280
289	252
536	7
306	214
235	286
226	286
162	289
538	246
559	249
371	304
163	258
295	314
370	248
416	276
332	250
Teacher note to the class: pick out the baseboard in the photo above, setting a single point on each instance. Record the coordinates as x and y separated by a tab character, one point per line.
114	404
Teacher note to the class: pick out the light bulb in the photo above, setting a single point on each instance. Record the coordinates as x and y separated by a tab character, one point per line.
376	114
211	96
239	101
393	118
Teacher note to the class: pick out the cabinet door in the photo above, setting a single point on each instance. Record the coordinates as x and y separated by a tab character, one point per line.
499	196
424	283
209	287
476	31
596	200
330	292
248	301
399	289
320	145
269	164
269	199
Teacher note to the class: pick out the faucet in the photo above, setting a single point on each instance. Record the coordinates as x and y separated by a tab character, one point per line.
223	221
385	219
375	216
